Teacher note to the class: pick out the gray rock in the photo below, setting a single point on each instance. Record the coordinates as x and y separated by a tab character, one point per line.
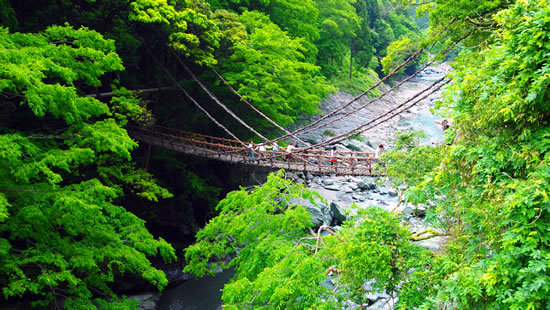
407	211
381	304
332	187
348	305
339	215
328	181
320	214
347	189
365	186
419	212
328	284
359	146
372	297
392	192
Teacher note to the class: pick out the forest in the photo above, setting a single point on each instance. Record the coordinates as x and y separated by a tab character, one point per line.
84	207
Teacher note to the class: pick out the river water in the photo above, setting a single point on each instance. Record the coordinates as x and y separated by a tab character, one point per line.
196	294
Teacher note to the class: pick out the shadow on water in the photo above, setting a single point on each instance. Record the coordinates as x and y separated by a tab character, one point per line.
196	294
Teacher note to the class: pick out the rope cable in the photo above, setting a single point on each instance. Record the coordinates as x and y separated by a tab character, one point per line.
359	129
257	110
178	85
213	97
386	92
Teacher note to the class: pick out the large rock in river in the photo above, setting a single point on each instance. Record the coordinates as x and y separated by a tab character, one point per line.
320	213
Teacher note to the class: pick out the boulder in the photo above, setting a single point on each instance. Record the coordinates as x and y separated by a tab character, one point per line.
372	297
339	214
347	189
392	192
419	212
365	186
332	187
320	214
327	283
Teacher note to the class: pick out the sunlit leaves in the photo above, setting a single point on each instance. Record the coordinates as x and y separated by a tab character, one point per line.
494	180
266	241
67	238
198	43
270	70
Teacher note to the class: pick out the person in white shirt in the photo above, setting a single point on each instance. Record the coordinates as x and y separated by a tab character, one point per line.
379	151
275	149
332	153
251	149
262	149
289	149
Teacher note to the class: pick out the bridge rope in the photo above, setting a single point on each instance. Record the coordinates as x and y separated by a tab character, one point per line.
361	128
344	115
204	111
213	97
257	110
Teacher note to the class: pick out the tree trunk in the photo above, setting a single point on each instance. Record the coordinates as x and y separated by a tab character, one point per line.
154	110
351	62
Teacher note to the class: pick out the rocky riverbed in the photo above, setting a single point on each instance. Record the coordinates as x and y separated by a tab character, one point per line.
341	192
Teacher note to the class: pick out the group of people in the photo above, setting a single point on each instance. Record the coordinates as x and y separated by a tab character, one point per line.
263	147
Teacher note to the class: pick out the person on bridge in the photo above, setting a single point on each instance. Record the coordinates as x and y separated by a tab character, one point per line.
332	153
251	150
289	149
379	151
262	149
275	149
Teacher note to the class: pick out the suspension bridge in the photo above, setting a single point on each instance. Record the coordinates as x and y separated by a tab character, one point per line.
311	158
229	150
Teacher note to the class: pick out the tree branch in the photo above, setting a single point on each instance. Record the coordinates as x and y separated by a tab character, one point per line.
433	234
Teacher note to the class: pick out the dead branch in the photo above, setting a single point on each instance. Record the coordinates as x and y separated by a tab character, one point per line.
333	269
433	234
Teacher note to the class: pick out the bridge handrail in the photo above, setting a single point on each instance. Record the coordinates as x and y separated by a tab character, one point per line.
316	159
184	133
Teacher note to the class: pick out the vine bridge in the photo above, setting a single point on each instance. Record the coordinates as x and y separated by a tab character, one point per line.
311	158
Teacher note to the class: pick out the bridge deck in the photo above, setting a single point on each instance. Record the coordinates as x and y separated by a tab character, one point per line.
227	150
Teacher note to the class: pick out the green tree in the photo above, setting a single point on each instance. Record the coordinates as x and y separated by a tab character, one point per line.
492	186
64	239
397	52
270	70
296	17
338	24
278	262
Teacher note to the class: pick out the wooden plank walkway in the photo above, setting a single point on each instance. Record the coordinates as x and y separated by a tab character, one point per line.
232	151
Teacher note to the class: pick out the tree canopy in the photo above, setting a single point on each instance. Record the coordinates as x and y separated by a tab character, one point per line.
490	188
63	236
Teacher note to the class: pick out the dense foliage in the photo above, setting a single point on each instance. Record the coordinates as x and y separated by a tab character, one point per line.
263	235
490	188
63	236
